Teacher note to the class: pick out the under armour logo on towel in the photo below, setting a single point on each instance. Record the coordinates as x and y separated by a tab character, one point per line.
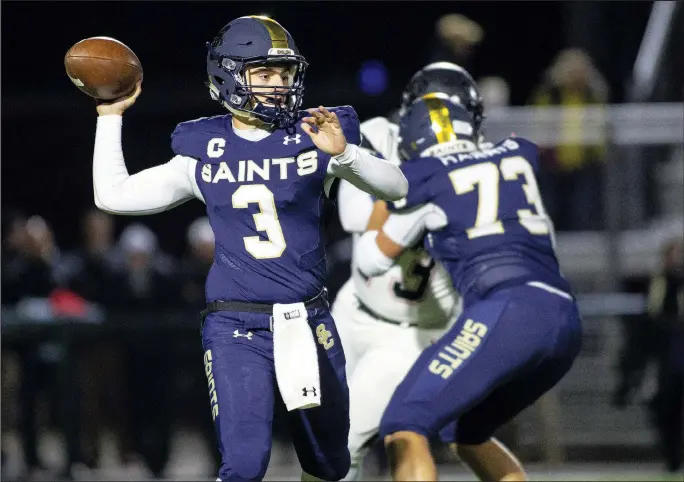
236	333
306	391
295	138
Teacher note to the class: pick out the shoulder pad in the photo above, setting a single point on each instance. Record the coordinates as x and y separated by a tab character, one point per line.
528	149
366	145
523	142
375	134
349	122
375	126
190	136
418	172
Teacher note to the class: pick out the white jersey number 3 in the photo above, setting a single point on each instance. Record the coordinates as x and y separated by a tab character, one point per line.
265	220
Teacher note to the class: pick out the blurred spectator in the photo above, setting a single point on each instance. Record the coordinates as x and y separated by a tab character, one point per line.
495	92
666	311
28	257
454	40
196	262
456	37
572	173
90	270
148	284
659	337
191	379
149	279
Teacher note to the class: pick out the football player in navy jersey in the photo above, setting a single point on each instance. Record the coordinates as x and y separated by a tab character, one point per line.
478	212
264	171
386	321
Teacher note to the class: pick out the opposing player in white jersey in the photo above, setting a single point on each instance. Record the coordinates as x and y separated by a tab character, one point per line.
386	321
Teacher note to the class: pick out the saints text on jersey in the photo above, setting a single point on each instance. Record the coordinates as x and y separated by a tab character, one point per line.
266	169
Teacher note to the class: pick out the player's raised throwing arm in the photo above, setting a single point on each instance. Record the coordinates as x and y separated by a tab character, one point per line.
150	191
365	171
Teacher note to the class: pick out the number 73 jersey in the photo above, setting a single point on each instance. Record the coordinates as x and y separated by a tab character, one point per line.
496	230
267	206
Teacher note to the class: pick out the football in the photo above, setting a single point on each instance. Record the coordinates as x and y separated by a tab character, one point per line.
103	67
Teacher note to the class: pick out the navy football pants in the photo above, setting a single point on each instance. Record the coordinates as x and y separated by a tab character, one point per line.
503	353
238	361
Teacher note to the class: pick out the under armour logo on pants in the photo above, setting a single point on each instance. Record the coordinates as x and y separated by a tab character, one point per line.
306	391
236	333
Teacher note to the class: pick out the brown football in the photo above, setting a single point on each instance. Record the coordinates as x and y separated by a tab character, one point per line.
103	67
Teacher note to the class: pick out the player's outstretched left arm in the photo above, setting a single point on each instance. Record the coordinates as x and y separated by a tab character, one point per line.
389	235
365	171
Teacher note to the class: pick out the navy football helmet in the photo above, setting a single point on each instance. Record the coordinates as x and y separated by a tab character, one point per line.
249	42
449	79
434	125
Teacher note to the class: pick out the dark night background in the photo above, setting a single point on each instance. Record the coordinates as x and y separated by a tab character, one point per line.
48	125
117	392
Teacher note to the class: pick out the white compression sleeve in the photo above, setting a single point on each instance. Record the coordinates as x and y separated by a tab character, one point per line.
369	259
354	206
407	228
150	191
371	174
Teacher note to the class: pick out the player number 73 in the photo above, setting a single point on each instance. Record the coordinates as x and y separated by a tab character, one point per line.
486	176
265	220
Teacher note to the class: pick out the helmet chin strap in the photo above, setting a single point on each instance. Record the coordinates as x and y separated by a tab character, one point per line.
242	116
249	118
246	117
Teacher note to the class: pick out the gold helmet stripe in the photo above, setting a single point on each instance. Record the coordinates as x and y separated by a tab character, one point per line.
439	118
275	30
